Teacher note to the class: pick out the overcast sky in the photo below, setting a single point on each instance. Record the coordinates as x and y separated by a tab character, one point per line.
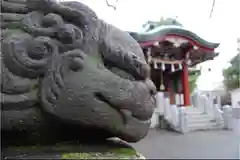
223	27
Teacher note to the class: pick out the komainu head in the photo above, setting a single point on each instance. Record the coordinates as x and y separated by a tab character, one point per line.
63	65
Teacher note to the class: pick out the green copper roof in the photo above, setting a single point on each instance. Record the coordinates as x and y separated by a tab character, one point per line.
156	32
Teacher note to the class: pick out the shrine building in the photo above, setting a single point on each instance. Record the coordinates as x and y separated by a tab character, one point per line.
172	51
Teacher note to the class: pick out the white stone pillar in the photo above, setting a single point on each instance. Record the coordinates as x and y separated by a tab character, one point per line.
160	103
204	101
218	114
227	117
183	120
154	120
219	101
236	120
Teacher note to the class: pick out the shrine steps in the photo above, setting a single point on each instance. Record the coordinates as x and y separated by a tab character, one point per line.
198	120
189	118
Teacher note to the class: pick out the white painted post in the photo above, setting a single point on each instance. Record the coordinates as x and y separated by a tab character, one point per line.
236	124
219	101
218	114
227	117
166	109
154	120
204	102
183	120
160	103
177	99
236	120
235	97
211	103
198	100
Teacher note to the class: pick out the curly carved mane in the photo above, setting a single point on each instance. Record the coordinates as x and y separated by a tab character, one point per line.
60	61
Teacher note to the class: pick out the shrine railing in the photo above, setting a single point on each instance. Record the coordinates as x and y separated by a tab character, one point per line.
173	114
211	105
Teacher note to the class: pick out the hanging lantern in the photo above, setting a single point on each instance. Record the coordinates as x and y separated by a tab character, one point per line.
162	87
172	67
163	66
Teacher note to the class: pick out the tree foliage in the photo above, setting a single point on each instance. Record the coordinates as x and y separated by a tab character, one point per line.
193	76
232	74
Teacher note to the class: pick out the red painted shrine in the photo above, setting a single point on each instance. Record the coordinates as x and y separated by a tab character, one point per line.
171	51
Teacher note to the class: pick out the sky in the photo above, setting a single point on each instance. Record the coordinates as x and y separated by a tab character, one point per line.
223	27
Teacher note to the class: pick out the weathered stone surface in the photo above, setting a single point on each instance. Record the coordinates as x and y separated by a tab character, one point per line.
108	150
67	75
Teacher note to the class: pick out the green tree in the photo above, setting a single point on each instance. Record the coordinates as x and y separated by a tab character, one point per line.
193	76
232	74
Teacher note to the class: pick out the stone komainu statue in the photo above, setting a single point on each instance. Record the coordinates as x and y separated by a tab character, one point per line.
67	75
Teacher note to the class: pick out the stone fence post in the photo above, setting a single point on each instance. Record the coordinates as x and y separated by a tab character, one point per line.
183	120
227	116
236	120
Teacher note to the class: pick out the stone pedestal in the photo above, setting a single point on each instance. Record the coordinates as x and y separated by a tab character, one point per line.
112	149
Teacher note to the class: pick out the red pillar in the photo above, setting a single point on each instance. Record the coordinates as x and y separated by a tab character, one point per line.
186	88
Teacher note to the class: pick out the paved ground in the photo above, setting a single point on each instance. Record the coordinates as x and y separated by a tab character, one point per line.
208	144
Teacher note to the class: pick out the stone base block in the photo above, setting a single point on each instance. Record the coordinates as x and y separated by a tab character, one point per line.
112	149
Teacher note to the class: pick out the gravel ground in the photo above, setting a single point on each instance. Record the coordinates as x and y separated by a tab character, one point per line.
209	144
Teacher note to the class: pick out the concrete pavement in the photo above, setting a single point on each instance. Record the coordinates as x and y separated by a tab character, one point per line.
209	144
